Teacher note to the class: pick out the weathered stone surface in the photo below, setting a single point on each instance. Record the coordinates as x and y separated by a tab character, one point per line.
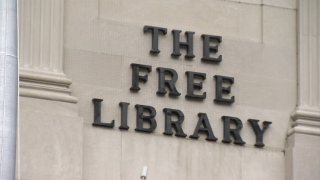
103	37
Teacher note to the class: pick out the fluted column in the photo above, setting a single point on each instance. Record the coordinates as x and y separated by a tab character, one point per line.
306	118
41	51
303	143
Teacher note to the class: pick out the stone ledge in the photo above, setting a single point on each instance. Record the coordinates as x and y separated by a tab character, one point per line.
305	121
307	114
45	85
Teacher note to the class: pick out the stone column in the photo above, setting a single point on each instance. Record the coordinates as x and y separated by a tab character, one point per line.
8	88
303	143
50	128
41	51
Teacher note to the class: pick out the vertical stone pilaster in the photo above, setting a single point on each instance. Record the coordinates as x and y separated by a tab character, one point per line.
41	51
303	143
47	109
306	118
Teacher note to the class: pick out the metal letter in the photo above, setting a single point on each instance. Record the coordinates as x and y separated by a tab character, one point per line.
176	125
163	82
177	44
207	49
124	115
191	85
228	132
155	37
141	118
220	90
136	78
258	132
97	115
203	120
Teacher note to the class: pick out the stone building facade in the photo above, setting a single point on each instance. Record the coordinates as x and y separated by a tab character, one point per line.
74	51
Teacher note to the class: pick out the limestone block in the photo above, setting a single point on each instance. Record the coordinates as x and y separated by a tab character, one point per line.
290	4
90	68
254	2
258	2
165	157
102	153
229	19
49	141
279	28
213	161
262	164
302	157
226	16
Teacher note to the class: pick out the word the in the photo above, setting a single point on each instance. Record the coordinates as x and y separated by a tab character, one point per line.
210	44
